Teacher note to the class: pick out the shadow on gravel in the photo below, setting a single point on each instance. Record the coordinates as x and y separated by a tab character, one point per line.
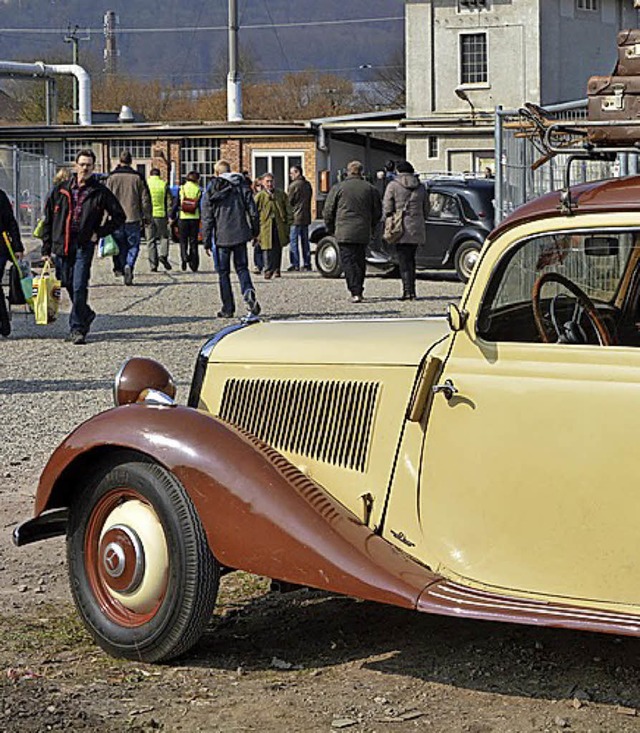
310	630
43	386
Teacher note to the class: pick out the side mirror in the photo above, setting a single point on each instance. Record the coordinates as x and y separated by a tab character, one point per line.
456	317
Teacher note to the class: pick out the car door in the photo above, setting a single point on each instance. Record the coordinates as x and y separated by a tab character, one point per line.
444	220
529	478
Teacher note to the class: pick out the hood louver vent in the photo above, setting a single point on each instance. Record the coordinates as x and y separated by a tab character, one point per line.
326	421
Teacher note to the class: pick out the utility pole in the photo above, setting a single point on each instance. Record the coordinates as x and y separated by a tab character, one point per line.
234	88
74	39
110	51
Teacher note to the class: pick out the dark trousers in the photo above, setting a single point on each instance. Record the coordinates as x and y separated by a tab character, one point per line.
273	256
354	264
74	274
188	229
5	323
241	265
407	266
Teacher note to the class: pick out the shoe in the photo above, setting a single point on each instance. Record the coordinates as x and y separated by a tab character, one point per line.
154	269
183	266
405	296
90	320
413	296
307	268
225	314
277	273
257	271
356	299
164	261
128	275
293	268
118	273
252	303
76	337
267	275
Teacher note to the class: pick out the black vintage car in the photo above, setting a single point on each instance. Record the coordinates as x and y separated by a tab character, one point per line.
461	215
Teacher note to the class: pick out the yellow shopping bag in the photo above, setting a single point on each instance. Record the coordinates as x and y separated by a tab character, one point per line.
46	296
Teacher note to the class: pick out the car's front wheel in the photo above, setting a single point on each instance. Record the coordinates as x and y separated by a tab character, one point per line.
142	575
466	258
328	258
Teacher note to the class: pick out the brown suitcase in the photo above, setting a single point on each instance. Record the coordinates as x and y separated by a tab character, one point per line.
614	98
628	53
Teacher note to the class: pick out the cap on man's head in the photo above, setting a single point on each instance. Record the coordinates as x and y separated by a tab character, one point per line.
403	166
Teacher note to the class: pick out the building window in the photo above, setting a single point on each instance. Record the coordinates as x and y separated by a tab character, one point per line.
473	58
467	5
139	149
72	148
432	146
199	154
277	162
586	4
32	146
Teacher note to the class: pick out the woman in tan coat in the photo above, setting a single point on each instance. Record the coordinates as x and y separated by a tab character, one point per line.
276	218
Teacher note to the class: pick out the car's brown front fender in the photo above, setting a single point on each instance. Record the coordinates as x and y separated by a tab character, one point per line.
260	513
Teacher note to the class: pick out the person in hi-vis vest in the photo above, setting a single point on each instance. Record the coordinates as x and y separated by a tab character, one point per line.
186	209
158	237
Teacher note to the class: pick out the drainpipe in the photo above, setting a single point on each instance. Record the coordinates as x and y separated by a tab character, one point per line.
40	69
234	88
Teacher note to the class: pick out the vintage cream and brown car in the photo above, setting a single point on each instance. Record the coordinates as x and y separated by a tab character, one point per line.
480	466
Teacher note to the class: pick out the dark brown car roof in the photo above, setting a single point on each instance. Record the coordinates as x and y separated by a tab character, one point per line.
615	194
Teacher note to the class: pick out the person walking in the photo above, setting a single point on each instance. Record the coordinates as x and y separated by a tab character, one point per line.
230	218
351	213
300	194
131	190
186	210
158	240
8	226
77	213
405	193
275	223
258	254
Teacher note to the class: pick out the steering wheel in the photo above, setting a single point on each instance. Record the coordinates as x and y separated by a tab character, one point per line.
571	331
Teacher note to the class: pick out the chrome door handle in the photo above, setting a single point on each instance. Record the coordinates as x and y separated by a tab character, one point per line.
448	389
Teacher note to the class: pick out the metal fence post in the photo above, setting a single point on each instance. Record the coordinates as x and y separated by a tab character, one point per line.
498	166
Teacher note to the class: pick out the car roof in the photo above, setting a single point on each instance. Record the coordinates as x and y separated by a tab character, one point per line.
453	185
611	195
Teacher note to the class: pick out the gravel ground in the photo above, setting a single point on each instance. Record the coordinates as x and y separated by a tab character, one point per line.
305	661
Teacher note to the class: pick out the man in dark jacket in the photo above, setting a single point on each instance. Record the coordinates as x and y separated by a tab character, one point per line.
131	190
8	226
230	218
78	212
351	213
300	194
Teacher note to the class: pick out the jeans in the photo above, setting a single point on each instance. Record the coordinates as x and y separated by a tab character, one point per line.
74	275
354	263
241	265
407	266
258	257
5	324
128	239
299	232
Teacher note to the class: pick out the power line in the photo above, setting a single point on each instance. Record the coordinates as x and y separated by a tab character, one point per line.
194	29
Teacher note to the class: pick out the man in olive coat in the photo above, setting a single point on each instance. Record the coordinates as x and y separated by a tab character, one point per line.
351	213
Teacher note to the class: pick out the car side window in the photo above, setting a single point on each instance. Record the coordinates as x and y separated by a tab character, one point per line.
443	206
595	262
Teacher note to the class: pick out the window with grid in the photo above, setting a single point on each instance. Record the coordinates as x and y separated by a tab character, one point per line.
72	148
473	58
199	154
432	146
587	4
139	149
34	147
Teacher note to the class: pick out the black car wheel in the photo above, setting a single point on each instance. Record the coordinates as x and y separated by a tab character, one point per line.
466	258
142	575
328	258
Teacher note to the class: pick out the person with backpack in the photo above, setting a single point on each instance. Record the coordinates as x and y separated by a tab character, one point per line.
230	218
186	210
8	227
406	196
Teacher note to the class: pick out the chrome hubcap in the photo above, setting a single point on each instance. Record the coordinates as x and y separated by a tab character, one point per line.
122	557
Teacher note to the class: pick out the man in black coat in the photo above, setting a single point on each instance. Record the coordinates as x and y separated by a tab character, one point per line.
8	226
78	212
351	213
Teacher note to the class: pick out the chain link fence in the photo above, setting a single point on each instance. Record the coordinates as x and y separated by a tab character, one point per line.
26	179
522	173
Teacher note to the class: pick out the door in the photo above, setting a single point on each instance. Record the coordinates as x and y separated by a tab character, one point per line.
444	220
530	471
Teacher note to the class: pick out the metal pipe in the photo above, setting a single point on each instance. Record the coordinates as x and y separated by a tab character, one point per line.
234	88
498	167
40	69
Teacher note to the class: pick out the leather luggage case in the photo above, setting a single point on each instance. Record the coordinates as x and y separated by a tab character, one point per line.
628	53
614	98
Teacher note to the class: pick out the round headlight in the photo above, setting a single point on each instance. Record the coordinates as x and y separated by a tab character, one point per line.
138	375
